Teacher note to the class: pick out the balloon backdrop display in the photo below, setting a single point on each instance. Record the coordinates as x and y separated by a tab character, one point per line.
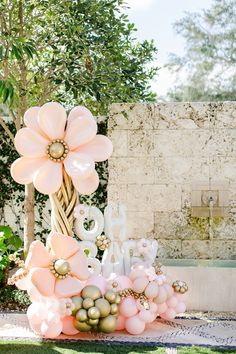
71	289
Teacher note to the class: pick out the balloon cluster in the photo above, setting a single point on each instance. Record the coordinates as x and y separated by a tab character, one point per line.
94	312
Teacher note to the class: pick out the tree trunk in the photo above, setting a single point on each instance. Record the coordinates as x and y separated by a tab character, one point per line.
28	217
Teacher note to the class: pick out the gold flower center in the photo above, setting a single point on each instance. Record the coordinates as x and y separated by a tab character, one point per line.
57	150
60	268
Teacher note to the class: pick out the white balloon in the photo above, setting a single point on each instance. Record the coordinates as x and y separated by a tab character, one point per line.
95	266
90	235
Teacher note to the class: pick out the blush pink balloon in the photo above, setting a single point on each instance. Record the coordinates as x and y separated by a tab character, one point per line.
140	284
169	314
146	316
137	273
134	325
128	307
161	297
151	290
68	326
169	290
161	308
180	307
172	302
99	281
123	281
51	330
36	313
153	307
120	323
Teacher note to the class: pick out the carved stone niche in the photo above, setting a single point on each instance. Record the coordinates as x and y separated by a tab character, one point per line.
209	199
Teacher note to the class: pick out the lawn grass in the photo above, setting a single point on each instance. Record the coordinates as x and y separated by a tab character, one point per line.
28	347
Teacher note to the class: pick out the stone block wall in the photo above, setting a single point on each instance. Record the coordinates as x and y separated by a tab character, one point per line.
160	150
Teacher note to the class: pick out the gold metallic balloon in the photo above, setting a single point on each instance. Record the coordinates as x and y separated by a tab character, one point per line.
107	324
92	322
91	291
62	267
93	313
82	326
87	303
77	301
110	296
82	315
103	306
114	309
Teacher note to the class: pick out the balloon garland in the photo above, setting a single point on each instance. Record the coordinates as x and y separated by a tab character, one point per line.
70	289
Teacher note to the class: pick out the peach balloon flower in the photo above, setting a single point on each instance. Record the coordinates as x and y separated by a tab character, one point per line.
60	269
52	141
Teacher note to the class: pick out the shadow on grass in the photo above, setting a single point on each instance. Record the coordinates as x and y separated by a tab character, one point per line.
17	347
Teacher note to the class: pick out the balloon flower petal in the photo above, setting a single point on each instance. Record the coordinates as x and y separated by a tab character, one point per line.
31	119
79	265
100	148
78	165
88	185
38	256
62	246
80	131
68	287
29	143
52	120
24	169
77	112
43	280
48	178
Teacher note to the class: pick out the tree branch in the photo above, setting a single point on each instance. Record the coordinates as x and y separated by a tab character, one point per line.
7	130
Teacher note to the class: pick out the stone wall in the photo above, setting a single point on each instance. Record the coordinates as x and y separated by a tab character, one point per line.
160	150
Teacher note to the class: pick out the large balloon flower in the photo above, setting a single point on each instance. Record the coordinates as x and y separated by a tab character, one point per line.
60	269
51	142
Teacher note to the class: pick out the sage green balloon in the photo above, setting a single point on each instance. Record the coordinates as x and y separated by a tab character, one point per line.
110	296
87	303
114	309
81	315
103	306
82	326
91	291
107	324
93	313
77	301
92	322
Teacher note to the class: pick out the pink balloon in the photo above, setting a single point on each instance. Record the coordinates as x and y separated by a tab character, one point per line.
137	273
51	330
36	313
151	290
123	282
169	280
134	325
99	281
169	314
68	326
161	308
180	307
33	293
128	307
161	297
172	302
153	307
36	328
169	290
120	323
146	316
140	284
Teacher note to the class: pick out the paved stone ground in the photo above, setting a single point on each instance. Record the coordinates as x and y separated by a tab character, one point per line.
200	329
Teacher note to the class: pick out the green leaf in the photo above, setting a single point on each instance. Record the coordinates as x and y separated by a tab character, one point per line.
5	232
